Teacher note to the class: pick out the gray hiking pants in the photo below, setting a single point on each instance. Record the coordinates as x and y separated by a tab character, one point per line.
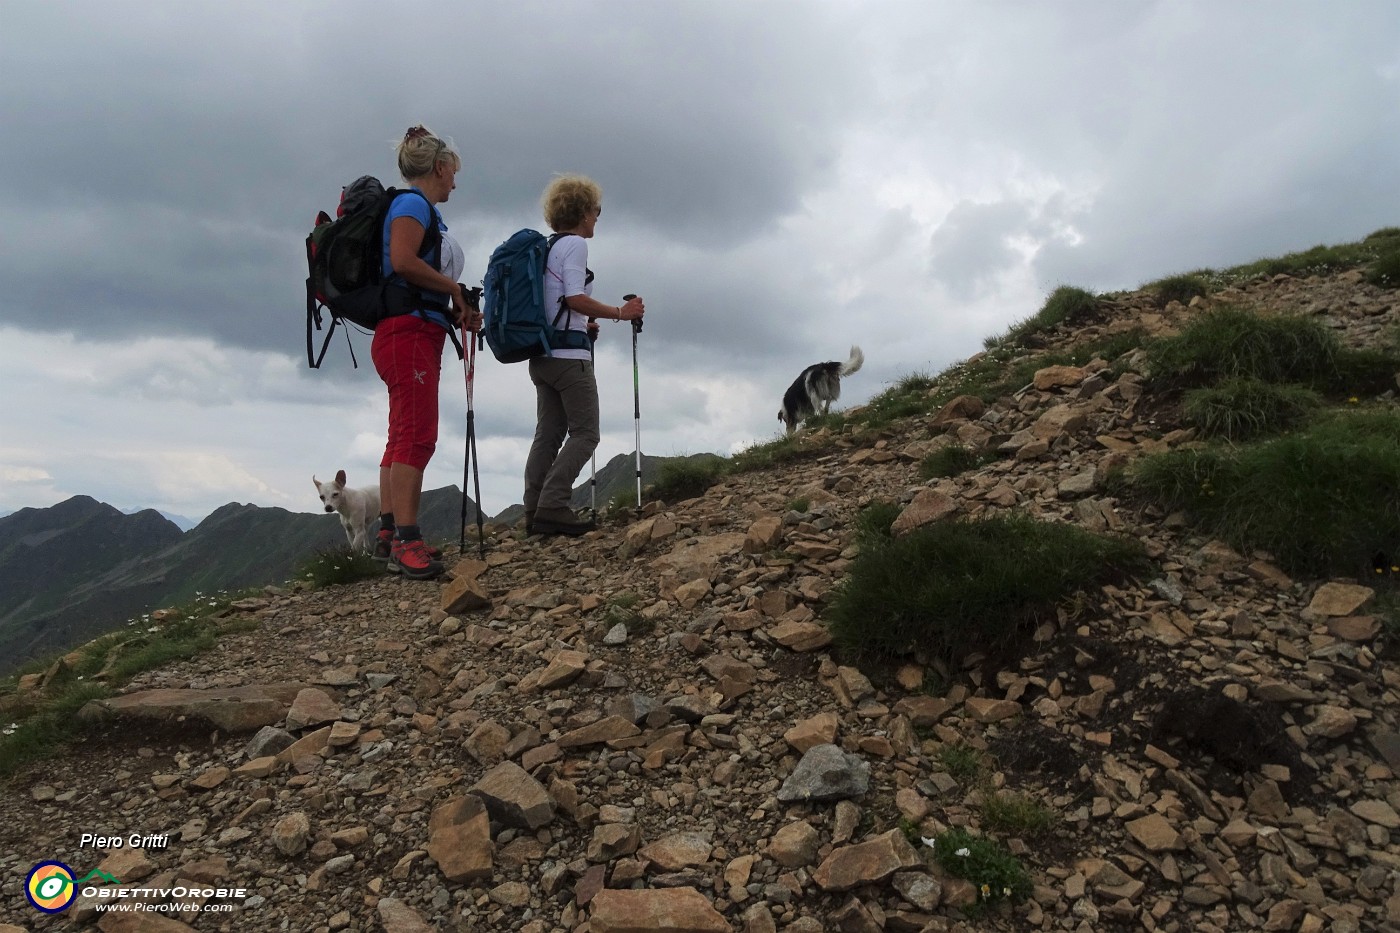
566	403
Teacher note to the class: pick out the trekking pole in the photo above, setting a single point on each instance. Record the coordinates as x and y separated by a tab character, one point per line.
636	402
471	459
593	468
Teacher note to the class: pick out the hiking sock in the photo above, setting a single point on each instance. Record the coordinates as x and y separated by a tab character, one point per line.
408	533
386	522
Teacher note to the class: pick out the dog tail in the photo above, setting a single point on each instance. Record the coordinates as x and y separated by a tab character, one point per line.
854	363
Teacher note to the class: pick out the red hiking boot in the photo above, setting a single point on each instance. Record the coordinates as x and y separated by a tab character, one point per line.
414	560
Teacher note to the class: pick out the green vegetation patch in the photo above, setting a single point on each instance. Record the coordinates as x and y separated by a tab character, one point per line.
1180	288
338	565
952	461
34	724
1066	305
685	479
906	398
997	874
1321	501
1385	271
1367	372
1231	343
1319	260
47	728
621	610
965	762
950	589
787	449
1243	408
1018	814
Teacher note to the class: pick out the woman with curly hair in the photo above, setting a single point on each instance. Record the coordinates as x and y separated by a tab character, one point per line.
566	393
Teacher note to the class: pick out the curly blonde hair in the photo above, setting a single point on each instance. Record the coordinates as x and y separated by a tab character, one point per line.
569	199
421	150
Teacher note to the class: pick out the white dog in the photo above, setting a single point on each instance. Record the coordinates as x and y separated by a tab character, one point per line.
816	387
357	508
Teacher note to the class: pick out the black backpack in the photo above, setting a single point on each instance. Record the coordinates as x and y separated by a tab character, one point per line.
344	258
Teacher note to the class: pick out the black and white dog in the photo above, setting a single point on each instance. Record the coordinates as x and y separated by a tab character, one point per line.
817	387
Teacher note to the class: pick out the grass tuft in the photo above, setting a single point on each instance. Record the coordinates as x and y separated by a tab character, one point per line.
1242	408
686	479
874	521
954	588
1018	814
964	762
1385	271
338	565
952	461
1321	501
55	724
904	399
1229	343
621	610
1180	288
997	874
1319	260
787	449
178	641
1066	305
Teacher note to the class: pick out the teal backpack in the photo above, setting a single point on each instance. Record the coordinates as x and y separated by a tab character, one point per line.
517	324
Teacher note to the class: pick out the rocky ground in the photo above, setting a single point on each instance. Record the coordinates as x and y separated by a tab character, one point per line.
646	729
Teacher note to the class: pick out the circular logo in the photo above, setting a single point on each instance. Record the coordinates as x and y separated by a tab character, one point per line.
50	887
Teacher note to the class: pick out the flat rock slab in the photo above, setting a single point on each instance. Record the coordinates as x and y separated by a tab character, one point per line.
398	917
234	709
868	862
668	910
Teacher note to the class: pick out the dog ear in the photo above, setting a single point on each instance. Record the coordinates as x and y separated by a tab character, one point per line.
340	477
315	480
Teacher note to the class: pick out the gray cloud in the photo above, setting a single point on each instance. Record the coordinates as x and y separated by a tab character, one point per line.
187	181
782	179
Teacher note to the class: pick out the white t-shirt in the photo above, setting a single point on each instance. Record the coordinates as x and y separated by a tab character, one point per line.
451	260
566	273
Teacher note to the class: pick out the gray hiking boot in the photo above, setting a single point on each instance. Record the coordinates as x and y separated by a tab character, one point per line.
560	522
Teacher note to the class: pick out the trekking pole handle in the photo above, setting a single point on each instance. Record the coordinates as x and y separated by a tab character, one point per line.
474	302
637	324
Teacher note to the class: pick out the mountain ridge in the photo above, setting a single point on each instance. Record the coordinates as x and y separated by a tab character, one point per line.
106	567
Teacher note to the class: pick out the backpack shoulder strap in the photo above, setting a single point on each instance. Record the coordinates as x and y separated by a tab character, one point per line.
432	234
544	270
430	250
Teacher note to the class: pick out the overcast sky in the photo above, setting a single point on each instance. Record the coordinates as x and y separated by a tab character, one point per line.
782	180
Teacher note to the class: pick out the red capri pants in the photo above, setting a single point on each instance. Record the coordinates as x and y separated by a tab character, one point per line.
407	354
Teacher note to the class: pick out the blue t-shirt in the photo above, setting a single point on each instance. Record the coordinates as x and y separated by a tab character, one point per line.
420	210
